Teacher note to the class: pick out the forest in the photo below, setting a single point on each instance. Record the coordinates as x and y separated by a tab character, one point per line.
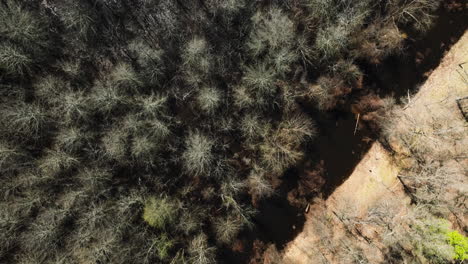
155	131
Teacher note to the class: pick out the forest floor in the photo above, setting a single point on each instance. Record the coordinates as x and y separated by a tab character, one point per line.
375	178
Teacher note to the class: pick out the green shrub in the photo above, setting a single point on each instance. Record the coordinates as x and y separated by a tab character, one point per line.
163	245
427	238
460	244
160	213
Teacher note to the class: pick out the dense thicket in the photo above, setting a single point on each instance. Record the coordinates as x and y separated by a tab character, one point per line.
138	131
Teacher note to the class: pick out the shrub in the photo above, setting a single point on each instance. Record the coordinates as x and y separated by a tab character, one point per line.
282	61
24	121
200	251
209	99
348	71
49	89
151	60
418	13
331	41
144	149
77	18
198	157
191	220
14	61
305	49
160	212
152	106
92	220
163	245
227	228
271	30
106	99
427	238
282	148
197	59
146	56
242	97
226	7
72	67
72	140
460	245
95	179
11	158
46	232
22	26
323	92
56	162
321	10
260	78
74	108
259	186
124	78
114	143
377	41
253	127
430	239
